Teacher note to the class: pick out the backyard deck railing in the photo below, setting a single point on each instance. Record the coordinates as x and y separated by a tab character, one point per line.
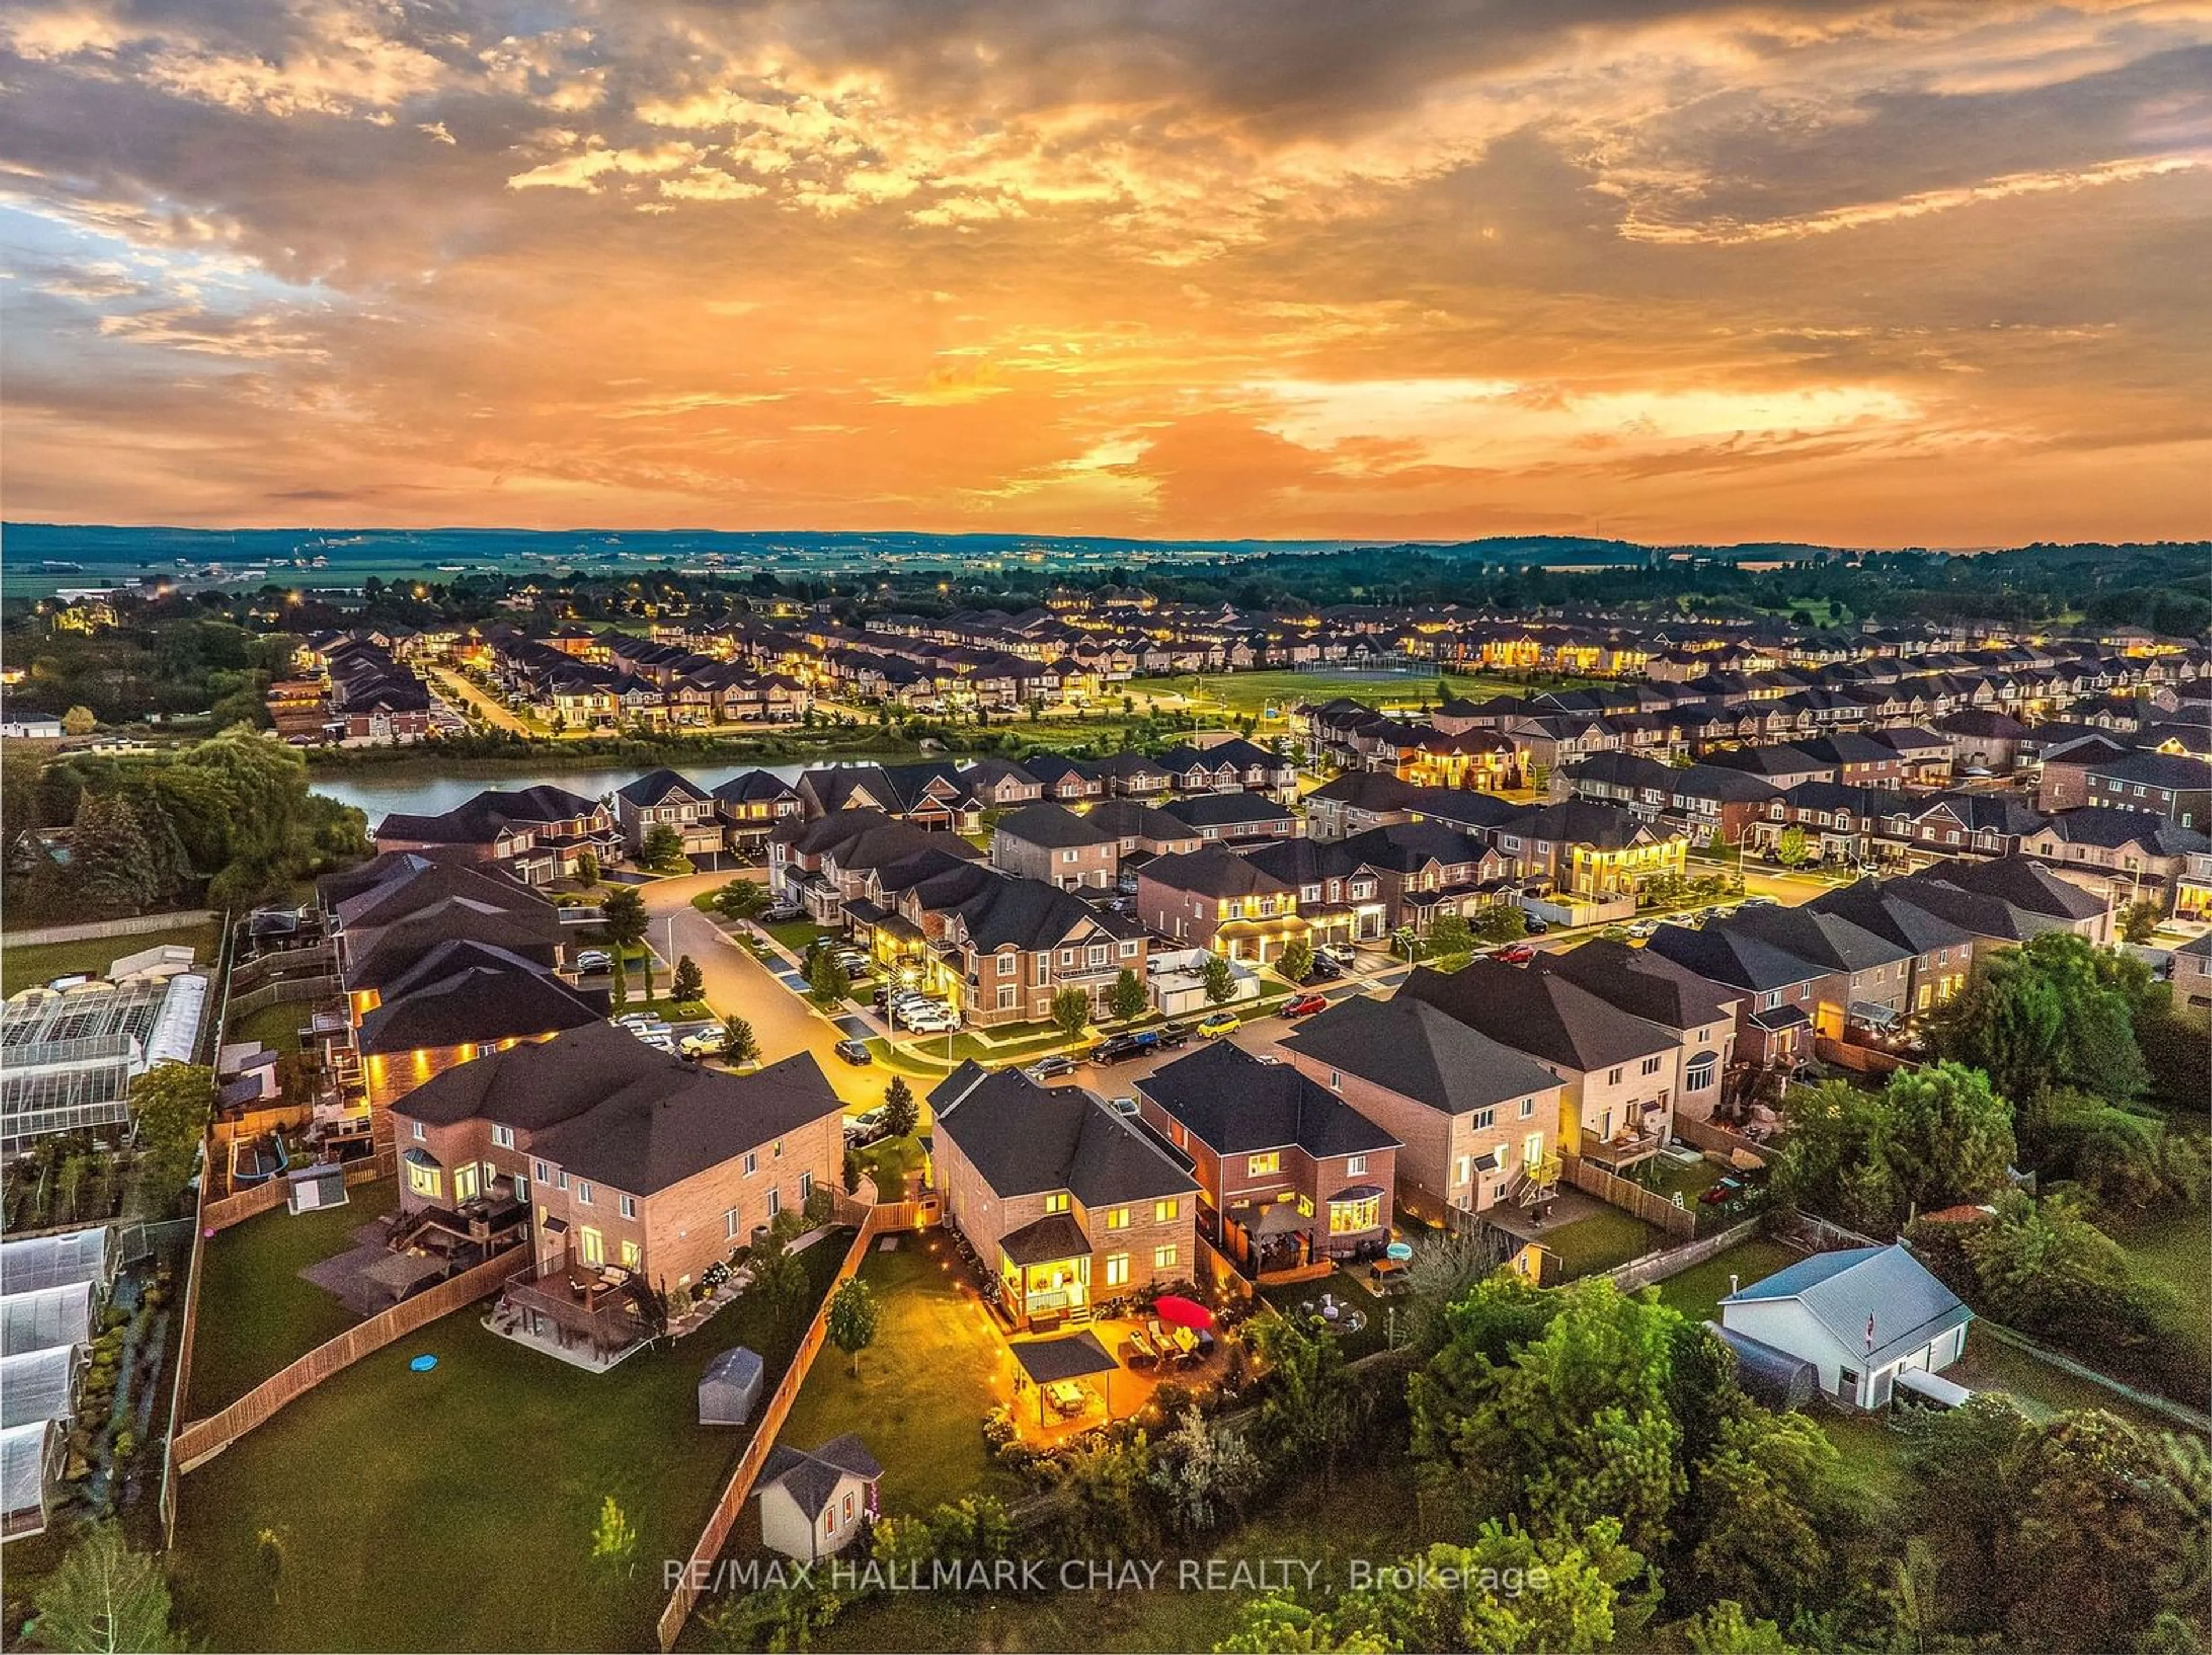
873	1221
203	1439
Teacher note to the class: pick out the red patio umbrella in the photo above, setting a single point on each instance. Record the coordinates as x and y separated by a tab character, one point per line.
1175	1309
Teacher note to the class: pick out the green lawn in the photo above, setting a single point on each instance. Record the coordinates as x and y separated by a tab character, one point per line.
2174	1245
1348	1284
1239	693
22	967
889	1161
1599	1242
925	1385
276	1027
796	934
1698	1291
257	1312
1364	1511
454	1509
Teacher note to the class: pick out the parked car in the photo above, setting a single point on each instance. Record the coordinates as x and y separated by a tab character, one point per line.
1214	1025
1331	964
1122	1106
1173	1037
1643	928
1760	902
1514	953
1114	1048
853	1052
1049	1068
1537	927
781	914
1306	1006
861	1130
594	959
702	1043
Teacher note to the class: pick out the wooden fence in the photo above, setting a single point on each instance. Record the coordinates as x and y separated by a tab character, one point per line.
320	960
170	1473
1718	1140
203	1439
873	1222
267	1196
1657	1267
283	990
96	930
1653	1208
1860	1060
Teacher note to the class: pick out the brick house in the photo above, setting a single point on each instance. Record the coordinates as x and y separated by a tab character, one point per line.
1473	1117
664	799
2173	785
1214	899
1288	1171
1068	1204
1051	842
619	1166
1002	949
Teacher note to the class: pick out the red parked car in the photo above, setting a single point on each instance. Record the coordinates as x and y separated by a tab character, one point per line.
1518	953
1306	1006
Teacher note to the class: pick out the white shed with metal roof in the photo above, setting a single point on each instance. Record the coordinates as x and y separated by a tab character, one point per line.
1861	1316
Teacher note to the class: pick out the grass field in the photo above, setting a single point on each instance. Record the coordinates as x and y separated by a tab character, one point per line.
1698	1291
454	1509
2175	1246
257	1312
925	1385
22	967
1600	1241
276	1027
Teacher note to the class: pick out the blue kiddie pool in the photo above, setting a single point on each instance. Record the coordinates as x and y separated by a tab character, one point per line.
422	1364
1399	1250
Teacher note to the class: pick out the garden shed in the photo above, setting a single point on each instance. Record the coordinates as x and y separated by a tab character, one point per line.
730	1389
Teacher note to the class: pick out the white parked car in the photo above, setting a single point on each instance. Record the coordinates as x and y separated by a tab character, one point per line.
702	1043
594	959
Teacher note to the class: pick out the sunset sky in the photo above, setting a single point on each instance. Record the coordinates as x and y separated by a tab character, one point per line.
1862	274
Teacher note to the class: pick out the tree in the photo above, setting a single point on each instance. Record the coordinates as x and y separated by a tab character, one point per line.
1724	1629
740	1045
171	1105
1449	934
741	899
826	979
1946	1136
689	983
2139	921
1071	1010
902	1110
113	868
1219	980
1207	1473
852	1171
1500	922
2054	1012
587	867
853	1317
1129	999
1310	1408
102	1597
1566	1424
780	1274
1298	959
662	848
79	721
617	983
1569	1595
1790	849
614	1542
1771	1513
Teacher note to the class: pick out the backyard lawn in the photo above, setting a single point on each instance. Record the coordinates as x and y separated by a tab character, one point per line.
1600	1241
1698	1291
2174	1246
454	1509
276	1027
22	967
888	1161
257	1312
925	1385
1349	1286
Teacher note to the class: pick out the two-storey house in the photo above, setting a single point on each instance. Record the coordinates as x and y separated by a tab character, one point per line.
1216	899
1051	842
664	799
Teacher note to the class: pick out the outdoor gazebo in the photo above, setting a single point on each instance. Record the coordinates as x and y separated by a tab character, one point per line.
1061	1362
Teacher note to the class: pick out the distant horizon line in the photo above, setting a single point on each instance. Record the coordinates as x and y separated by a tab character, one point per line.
1341	542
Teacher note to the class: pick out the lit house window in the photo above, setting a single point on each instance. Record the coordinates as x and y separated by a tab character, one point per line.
628	1206
1117	1269
1261	1166
1347	1217
1163	1258
1055	1204
1163	1211
1117	1218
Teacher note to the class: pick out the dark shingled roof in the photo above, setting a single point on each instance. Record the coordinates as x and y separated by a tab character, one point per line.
811	1478
1205	810
480	820
1549	1017
1053	826
657	786
608	1107
1235	1104
1131	818
1652	988
463	992
1055	1235
1409	847
1214	871
1410	1047
1026	1140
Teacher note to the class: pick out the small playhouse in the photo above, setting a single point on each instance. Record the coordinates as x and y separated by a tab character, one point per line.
730	1389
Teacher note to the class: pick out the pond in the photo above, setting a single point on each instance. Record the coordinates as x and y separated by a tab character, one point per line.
427	792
